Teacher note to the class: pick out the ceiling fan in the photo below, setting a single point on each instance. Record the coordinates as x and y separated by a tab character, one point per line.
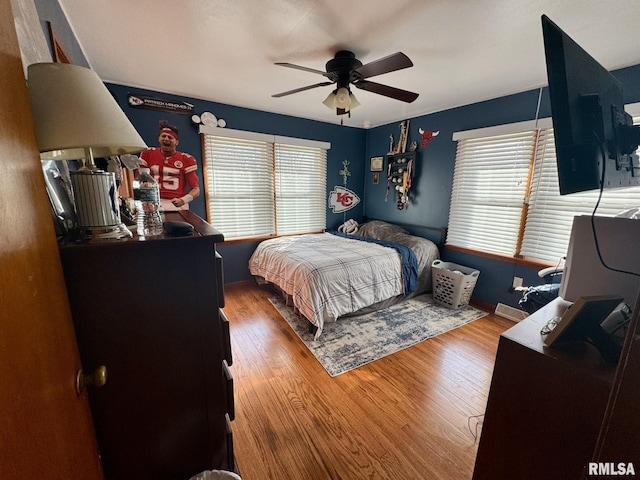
345	69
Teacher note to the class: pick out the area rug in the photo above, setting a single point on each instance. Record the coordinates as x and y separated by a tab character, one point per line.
355	341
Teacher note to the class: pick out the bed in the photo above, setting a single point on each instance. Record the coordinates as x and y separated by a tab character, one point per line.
329	275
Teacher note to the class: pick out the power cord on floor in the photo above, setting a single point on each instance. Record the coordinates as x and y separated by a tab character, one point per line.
479	421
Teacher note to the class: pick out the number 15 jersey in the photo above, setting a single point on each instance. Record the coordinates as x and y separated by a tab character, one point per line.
176	175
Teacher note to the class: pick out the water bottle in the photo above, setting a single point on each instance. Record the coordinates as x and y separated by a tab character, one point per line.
147	197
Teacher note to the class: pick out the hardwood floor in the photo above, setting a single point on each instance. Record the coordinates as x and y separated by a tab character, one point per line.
411	415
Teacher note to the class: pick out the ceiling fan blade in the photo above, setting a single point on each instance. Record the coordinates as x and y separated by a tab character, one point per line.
301	89
390	63
298	67
398	94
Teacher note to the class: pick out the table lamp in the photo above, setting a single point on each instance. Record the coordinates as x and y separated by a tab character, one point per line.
76	117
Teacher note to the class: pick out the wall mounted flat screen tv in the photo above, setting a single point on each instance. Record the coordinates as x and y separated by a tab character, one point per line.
595	138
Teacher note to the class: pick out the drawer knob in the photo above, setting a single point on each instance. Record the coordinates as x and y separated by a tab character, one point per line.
98	378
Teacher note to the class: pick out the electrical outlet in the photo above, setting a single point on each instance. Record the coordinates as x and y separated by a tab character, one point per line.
517	282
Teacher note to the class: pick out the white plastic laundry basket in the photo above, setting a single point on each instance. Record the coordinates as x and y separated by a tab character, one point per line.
453	284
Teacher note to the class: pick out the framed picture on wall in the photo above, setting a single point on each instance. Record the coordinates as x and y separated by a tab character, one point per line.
376	178
377	164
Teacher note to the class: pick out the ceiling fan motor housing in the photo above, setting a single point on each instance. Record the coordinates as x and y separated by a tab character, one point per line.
342	67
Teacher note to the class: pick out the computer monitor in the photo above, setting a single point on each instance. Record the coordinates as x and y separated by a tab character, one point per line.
595	138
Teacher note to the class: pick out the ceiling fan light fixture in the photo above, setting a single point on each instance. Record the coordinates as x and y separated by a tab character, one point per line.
330	101
342	99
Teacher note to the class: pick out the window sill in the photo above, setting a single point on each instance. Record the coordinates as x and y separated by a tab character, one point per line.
234	241
524	261
258	239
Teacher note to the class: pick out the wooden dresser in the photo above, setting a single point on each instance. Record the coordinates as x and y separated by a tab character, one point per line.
545	407
151	312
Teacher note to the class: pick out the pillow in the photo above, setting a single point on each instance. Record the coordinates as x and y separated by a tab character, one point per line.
379	230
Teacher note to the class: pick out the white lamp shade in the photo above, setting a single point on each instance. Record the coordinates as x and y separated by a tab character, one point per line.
73	110
330	101
342	99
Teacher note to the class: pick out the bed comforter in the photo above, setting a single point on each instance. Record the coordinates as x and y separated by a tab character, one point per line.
329	276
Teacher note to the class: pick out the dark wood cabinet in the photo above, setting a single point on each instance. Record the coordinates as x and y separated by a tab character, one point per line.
545	407
150	311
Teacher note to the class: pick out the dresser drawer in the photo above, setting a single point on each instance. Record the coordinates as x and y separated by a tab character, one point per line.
228	385
231	460
220	280
226	338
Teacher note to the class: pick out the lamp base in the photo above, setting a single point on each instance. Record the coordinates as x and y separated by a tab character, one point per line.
112	232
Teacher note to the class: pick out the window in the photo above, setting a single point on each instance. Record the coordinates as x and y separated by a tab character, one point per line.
490	180
505	196
262	185
301	188
550	215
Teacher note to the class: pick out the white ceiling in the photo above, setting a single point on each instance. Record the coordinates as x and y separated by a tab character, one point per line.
464	51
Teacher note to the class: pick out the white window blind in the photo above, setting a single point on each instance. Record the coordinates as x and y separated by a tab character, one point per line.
489	187
301	187
239	183
257	185
481	219
550	215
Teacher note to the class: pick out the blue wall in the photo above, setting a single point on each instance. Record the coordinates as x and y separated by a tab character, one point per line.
431	189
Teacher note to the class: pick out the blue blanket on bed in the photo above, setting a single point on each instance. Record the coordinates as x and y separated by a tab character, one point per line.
407	257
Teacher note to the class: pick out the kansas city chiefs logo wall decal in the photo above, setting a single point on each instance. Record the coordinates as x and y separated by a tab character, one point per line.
342	199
